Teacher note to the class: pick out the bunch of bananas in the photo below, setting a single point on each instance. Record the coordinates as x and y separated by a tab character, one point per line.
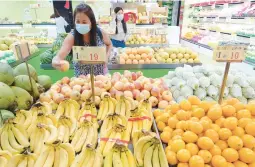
86	133
69	108
14	137
140	133
111	120
118	133
42	134
24	118
124	106
149	152
88	112
88	157
23	159
5	156
118	156
66	128
57	154
107	106
45	108
140	119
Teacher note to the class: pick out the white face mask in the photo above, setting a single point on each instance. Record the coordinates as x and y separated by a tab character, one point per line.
120	17
82	28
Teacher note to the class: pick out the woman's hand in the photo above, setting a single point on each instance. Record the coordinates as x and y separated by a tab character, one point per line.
59	64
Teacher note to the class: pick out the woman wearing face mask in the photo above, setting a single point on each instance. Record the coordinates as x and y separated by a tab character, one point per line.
86	33
118	39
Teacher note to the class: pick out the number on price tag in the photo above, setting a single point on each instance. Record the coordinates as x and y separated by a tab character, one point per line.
229	54
89	55
22	51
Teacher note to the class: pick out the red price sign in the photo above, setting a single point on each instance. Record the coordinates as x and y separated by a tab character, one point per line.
89	55
229	53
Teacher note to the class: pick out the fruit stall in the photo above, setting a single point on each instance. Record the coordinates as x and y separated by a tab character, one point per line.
162	104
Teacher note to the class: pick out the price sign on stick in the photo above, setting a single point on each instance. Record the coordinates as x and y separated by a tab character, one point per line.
89	55
229	53
22	50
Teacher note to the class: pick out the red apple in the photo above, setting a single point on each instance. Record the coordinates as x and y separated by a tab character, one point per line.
167	95
154	101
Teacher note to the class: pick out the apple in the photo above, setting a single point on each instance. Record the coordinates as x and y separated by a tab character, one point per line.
136	93
146	94
107	85
119	86
128	94
138	85
162	104
99	84
77	88
65	80
154	101
86	94
155	91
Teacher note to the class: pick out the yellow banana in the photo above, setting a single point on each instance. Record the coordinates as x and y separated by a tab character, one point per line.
5	143
90	161
148	156
14	161
131	159
23	162
162	157
6	154
118	107
81	140
53	134
106	123
155	157
145	147
39	144
101	110
130	127
28	120
61	132
95	137
22	130
31	162
109	144
3	161
128	107
46	134
98	161
108	159
124	159
64	158
50	158
77	136
60	110
66	135
78	161
89	137
70	151
106	109
57	157
116	160
111	106
122	107
135	126
14	144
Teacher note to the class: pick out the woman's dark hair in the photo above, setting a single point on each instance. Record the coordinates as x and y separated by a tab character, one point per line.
124	25
78	38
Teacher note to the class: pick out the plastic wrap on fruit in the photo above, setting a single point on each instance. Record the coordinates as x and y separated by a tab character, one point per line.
204	82
186	91
200	93
236	91
193	83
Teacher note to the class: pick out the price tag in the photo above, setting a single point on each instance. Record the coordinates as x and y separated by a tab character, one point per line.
89	55
27	25
22	50
161	31
229	54
252	40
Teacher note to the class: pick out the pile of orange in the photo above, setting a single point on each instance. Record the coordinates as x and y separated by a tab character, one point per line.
202	134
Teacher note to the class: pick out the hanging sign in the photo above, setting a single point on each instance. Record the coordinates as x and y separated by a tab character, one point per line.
229	53
89	55
22	51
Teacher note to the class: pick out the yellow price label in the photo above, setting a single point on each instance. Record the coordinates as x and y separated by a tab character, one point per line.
229	53
89	55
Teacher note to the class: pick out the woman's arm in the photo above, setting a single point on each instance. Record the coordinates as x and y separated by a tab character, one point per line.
63	52
107	42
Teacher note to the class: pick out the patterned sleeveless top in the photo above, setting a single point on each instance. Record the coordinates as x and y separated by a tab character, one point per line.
84	69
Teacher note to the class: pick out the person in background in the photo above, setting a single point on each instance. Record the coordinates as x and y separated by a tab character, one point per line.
61	23
118	39
86	33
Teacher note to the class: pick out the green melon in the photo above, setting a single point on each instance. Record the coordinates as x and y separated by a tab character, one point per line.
7	97
45	81
23	99
22	70
6	74
46	57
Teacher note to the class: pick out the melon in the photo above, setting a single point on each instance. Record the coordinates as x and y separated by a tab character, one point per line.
45	81
4	47
21	69
23	99
1	40
6	74
7	97
23	82
9	41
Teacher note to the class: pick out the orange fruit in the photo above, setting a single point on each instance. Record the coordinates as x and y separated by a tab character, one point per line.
204	105
251	107
161	125
174	108
183	165
206	124
176	137
196	161
189	137
228	111
238	132
252	164
230	164
230	154
196	127
206	155
177	145
198	112
183	155
246	155
219	161
224	133
240	164
205	143
248	141
243	122
167	128
163	117
194	100
215	127
215	150
232	101
185	105
230	123
168	148
183	115
250	128
214	113
194	119
212	134
235	142
157	113
172	121
171	157
165	136
177	132
222	144
243	114
192	148
184	125
206	165
205	118
220	122
239	106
